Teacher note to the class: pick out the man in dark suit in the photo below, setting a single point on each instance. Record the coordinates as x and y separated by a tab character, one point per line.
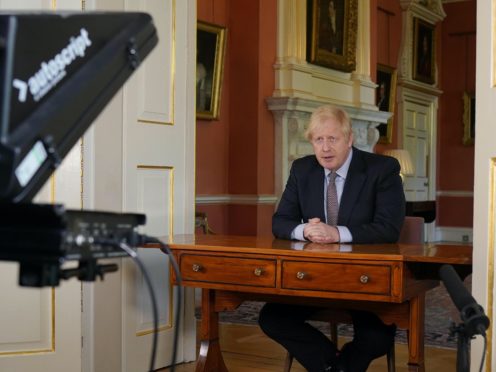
339	195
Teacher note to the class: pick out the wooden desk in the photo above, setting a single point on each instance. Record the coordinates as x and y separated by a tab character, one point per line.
389	279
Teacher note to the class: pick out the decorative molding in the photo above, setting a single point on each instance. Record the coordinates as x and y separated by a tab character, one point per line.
430	11
417	113
490	261
454	234
296	78
144	328
291	31
236	199
153	111
491	55
419	86
363	68
169	198
29	346
291	117
455	193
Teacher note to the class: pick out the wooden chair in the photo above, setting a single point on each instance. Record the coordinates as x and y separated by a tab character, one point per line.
412	232
201	222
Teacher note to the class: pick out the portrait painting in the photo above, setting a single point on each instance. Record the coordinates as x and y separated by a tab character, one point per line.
385	99
333	32
468	118
423	51
210	49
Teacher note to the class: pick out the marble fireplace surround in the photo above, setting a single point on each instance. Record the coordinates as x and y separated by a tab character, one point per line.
291	116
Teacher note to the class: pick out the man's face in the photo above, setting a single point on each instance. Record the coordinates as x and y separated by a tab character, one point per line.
330	145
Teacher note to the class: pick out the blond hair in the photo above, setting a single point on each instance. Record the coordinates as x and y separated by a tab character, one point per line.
322	114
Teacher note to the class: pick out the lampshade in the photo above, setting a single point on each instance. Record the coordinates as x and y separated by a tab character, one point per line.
403	156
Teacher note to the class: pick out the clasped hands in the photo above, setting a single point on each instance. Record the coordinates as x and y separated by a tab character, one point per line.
320	232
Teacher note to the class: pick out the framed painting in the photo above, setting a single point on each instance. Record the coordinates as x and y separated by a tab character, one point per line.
210	49
468	119
385	99
333	33
423	51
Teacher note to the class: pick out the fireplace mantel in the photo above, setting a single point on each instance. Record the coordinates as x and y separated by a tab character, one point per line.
291	119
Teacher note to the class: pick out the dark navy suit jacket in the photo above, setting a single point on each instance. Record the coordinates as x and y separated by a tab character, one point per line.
372	205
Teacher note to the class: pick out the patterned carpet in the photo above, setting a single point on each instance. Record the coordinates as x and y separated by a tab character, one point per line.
440	314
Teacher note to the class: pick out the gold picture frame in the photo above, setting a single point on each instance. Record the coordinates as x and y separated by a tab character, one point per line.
424	49
210	49
386	99
333	34
468	118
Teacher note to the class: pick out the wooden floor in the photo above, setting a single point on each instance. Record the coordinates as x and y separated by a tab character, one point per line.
246	349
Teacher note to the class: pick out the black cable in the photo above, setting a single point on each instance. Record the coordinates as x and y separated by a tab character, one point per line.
148	281
165	249
142	240
483	353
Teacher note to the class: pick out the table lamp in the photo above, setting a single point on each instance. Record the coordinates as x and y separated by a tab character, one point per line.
406	164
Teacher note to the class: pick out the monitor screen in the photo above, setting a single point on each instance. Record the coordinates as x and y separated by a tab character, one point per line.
57	73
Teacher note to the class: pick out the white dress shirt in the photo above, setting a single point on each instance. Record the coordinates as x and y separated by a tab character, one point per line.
344	232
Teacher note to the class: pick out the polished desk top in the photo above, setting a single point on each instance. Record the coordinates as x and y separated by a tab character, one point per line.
389	279
422	253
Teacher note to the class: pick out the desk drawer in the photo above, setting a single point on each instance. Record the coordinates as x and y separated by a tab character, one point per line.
336	277
229	270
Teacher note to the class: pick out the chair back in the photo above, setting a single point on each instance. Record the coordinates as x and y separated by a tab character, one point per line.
201	223
412	231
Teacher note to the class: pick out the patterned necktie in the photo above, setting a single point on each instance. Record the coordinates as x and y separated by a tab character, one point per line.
332	200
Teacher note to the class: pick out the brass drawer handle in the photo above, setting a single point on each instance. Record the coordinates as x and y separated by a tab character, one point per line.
364	279
300	275
258	271
196	268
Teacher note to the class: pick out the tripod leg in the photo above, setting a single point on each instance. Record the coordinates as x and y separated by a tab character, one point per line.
462	355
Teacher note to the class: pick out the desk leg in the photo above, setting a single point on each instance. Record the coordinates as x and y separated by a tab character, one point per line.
210	357
416	334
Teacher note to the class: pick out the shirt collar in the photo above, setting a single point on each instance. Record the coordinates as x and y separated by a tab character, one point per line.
343	170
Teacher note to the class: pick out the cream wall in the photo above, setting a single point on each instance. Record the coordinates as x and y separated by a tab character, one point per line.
41	327
72	330
144	138
485	175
